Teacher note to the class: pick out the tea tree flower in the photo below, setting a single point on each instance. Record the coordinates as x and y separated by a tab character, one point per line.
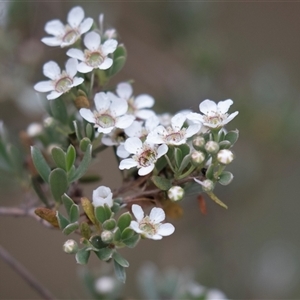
138	106
102	195
214	115
61	82
144	155
225	156
110	113
175	134
150	226
96	55
66	35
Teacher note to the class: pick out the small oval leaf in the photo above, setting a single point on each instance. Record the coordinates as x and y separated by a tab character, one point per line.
59	157
40	163
58	183
70	228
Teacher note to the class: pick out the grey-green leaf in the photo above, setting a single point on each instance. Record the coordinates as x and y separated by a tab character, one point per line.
70	157
124	221
102	213
59	111
120	272
120	260
59	157
225	178
58	183
62	221
40	163
82	256
232	136
71	228
104	253
162	183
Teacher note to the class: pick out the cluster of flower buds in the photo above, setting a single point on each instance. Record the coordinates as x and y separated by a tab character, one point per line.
161	157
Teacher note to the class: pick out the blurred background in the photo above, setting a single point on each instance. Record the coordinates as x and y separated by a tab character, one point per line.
180	53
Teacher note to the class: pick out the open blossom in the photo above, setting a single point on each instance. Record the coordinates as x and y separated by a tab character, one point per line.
61	82
175	134
214	115
110	113
66	35
102	195
150	226
96	55
138	106
144	155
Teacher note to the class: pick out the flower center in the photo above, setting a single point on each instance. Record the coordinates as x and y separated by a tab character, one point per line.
93	59
131	107
148	227
147	158
105	121
63	84
215	119
174	137
71	35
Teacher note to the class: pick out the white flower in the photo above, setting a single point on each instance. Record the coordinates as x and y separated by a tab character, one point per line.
61	82
137	106
96	55
145	155
66	35
102	195
175	193
225	156
110	113
174	134
151	226
214	115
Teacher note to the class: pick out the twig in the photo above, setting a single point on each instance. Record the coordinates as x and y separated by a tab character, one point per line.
24	273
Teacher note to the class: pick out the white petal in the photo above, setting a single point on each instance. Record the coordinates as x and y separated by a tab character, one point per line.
53	95
124	90
105	130
76	53
55	27
106	64
144	114
121	152
192	129
109	46
143	101
195	117
157	215
102	102
208	106
177	121
156	136
124	121
146	170
86	25
133	145
75	16
155	237
87	114
44	86
118	106
51	41
166	229
71	67
231	116
135	226
92	40
84	68
162	150
51	70
77	81
135	129
137	212
127	163
223	106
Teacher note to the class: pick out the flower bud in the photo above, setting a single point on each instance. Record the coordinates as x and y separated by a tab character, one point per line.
107	236
198	142
212	147
225	156
207	185
175	193
82	102
197	157
70	247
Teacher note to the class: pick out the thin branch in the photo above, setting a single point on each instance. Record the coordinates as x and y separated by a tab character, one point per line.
25	275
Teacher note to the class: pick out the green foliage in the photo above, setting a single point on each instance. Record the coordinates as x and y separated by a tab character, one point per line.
58	183
124	221
40	163
162	183
225	178
82	256
103	213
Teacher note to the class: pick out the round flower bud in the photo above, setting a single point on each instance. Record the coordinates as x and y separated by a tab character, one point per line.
212	147
207	185
198	142
197	157
175	193
107	236
70	247
225	156
82	102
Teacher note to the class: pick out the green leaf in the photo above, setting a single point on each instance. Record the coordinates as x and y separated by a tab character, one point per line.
109	224
162	183
85	230
232	136
210	172
83	165
185	149
160	163
89	178
124	221
70	157
74	213
37	188
88	209
82	256
224	144
186	160
104	254
97	242
117	66
131	242
70	228
68	202
127	233
90	131
117	235
77	131
59	110
120	260
40	163
58	183
178	157
225	178
120	272
84	144
103	213
59	157
62	221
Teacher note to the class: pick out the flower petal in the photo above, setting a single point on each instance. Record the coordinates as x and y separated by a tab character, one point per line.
166	229
208	106
121	152
51	41
192	129
86	25
75	16
102	102
223	106
124	90
137	212
127	163
51	70
118	106
133	145
177	121
87	114
144	114
109	46
106	64
143	101
77	81
135	226
195	117
76	53
55	27
84	68
71	67
44	86
162	150
124	121
92	41
157	215
155	237
53	95
146	170
230	117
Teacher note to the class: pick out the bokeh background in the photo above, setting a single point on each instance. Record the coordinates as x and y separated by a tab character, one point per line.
181	53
